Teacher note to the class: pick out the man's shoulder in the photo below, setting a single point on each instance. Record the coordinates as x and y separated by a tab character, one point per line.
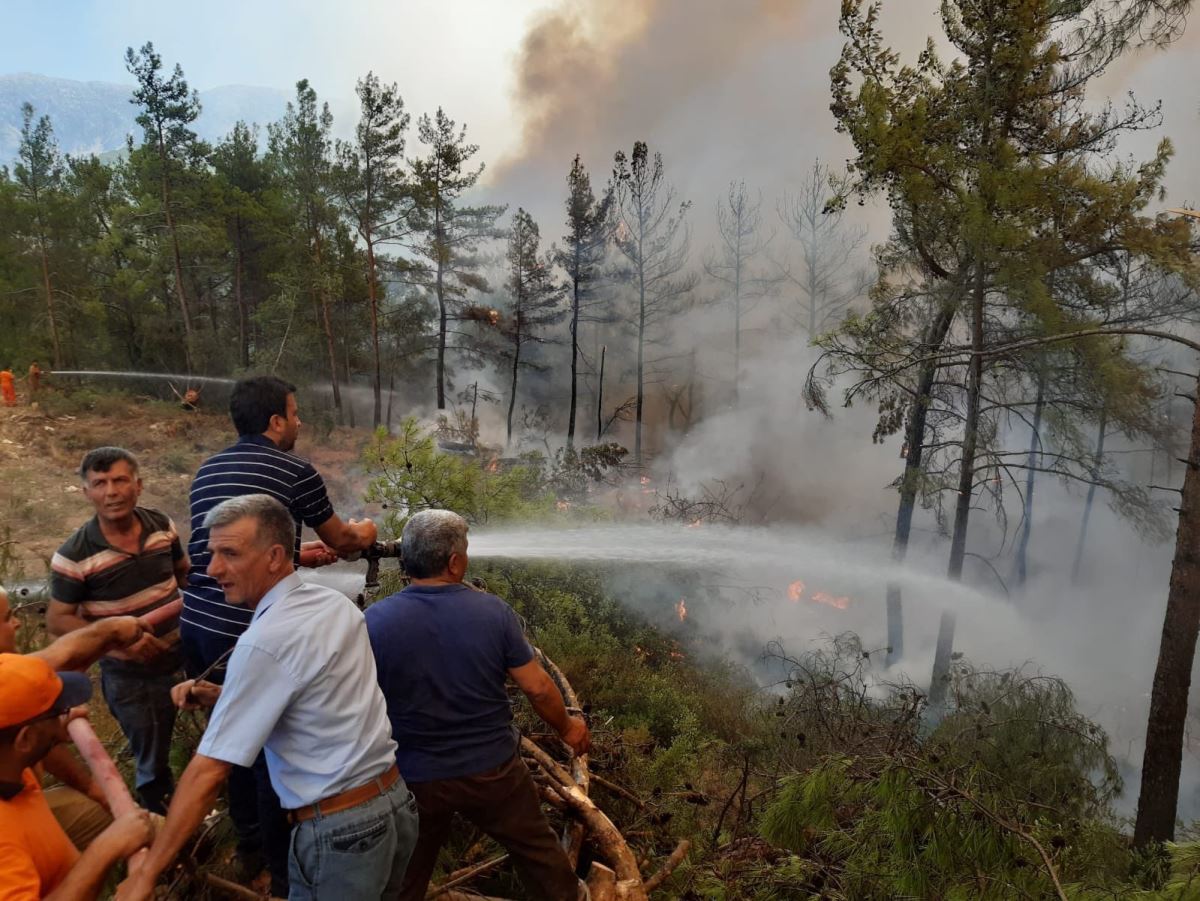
254	449
154	518
409	601
80	543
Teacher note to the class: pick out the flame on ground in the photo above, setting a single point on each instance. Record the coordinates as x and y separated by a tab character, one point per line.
841	603
795	591
681	610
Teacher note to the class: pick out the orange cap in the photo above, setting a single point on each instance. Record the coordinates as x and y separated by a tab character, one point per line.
29	688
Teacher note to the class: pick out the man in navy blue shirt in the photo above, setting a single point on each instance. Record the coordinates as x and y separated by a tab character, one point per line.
443	652
264	412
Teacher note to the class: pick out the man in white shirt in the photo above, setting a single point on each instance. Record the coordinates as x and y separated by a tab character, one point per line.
301	685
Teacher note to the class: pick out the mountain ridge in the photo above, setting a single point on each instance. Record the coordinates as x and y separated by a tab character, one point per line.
95	116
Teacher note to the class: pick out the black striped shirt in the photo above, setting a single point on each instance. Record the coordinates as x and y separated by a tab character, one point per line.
252	466
100	580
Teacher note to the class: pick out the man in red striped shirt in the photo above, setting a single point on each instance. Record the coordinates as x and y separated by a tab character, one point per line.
126	561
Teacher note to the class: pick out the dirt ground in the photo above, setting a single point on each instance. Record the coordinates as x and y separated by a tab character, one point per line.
40	448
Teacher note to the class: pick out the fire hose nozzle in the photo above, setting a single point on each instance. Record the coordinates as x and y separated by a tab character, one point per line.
381	549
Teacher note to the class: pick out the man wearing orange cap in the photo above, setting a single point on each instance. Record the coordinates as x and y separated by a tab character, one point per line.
78	804
37	860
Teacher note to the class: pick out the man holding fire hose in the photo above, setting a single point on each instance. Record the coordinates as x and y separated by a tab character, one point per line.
444	651
79	804
300	684
37	859
265	414
126	560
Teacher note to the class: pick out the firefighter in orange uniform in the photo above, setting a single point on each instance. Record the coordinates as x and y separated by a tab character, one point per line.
7	389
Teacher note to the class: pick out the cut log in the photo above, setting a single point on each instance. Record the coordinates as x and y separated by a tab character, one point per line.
602	883
608	839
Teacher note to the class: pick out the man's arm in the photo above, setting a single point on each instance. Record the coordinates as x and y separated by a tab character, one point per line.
547	701
347	537
84	644
194	798
62	618
182	567
83	882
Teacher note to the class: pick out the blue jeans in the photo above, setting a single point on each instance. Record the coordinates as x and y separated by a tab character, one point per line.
354	855
142	707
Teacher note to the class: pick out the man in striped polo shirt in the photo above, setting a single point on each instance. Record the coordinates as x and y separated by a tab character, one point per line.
126	561
264	412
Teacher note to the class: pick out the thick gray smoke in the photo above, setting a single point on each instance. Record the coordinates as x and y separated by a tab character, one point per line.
740	91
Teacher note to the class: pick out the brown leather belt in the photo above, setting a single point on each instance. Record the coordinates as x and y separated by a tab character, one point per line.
351	797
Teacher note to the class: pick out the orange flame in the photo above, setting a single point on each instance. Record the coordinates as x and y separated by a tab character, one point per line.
493	317
681	610
841	603
695	524
795	591
562	505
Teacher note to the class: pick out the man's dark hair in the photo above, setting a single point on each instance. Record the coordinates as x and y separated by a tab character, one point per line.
102	459
254	401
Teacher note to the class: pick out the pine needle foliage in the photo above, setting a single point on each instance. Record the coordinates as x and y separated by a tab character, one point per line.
1006	797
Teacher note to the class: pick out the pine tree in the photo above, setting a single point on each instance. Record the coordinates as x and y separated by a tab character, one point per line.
997	197
39	177
446	234
536	301
582	258
168	109
371	186
300	147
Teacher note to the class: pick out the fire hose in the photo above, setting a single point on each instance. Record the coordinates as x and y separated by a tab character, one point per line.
104	773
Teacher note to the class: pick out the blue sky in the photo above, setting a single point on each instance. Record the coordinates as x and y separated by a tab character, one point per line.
457	53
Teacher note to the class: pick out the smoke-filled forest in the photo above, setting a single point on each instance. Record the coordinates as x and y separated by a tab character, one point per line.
844	470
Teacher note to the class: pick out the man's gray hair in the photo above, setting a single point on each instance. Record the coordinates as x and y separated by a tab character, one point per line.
429	539
275	523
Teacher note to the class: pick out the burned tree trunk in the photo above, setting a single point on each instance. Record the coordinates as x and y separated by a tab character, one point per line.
1091	497
914	445
1035	449
1173	676
966	488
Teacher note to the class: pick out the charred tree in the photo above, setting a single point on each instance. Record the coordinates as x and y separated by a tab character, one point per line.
1163	759
582	258
651	233
827	279
732	264
1091	496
